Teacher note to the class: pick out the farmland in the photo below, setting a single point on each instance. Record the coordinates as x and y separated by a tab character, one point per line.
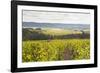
54	45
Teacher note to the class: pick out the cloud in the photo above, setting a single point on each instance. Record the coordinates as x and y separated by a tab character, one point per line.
56	17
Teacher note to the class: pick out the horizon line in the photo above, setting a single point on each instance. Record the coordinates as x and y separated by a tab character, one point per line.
53	22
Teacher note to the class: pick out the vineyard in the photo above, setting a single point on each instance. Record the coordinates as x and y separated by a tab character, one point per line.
55	50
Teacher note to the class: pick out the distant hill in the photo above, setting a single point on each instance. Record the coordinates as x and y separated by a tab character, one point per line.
56	25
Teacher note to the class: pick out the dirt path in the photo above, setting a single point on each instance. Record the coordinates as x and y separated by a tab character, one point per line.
67	54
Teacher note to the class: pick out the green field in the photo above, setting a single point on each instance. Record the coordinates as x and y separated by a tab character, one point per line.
59	32
54	45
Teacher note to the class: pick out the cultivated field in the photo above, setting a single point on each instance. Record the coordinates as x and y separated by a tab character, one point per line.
55	45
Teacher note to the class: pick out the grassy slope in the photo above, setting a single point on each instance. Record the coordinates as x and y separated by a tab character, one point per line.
57	31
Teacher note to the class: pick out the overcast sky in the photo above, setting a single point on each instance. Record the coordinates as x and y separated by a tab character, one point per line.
56	17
